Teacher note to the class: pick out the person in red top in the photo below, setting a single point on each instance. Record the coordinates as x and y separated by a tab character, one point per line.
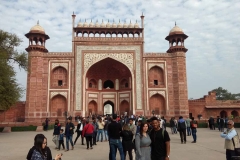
88	133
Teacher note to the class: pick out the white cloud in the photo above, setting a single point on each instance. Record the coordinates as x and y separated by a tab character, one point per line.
213	55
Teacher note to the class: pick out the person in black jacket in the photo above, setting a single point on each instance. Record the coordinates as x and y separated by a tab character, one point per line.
127	141
56	132
69	131
79	129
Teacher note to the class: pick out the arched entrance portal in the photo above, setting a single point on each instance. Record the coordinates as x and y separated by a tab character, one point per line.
108	107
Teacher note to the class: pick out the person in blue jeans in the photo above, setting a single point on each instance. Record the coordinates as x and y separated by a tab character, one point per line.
194	130
100	129
106	129
114	130
69	131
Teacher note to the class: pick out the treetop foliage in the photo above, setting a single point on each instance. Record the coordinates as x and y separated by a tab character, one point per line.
10	90
223	94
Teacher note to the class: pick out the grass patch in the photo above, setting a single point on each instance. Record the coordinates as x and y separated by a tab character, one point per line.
1	129
24	128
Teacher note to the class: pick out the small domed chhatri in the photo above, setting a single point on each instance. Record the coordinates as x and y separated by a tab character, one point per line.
37	28
108	25
97	24
136	25
176	29
103	24
79	24
119	24
130	25
125	25
114	25
91	24
85	24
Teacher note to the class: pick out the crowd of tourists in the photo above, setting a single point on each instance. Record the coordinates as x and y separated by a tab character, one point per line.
138	137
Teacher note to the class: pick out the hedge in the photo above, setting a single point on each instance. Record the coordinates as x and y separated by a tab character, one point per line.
24	128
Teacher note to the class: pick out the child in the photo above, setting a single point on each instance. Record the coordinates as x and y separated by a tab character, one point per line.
61	138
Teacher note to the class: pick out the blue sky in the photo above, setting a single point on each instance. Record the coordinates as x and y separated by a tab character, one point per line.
213	27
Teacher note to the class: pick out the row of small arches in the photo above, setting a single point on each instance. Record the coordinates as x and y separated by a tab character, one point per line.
108	34
108	25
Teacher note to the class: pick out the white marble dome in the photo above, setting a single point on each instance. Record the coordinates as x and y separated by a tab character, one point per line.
176	29
37	28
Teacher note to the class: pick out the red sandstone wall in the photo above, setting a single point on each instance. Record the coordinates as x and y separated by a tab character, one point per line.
15	114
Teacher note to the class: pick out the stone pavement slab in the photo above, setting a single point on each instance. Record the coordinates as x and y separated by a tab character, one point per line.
209	146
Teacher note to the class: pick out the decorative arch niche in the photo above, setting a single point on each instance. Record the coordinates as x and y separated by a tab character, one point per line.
59	77
155	77
157	103
58	106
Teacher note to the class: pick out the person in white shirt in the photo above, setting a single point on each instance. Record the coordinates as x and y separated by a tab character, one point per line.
79	131
231	140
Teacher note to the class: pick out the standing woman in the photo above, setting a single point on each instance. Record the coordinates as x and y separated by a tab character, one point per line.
40	149
69	133
88	133
127	141
142	143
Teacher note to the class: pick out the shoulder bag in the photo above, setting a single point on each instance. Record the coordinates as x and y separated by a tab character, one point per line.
237	150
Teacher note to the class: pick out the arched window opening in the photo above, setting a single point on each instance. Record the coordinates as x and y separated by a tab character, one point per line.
92	84
108	84
234	113
91	35
223	114
97	35
119	35
59	77
155	77
114	35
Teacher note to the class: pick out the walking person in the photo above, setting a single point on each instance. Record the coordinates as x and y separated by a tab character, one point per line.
160	146
114	130
87	132
95	125
172	125
194	124
188	121
56	132
106	129
100	129
218	122
182	129
127	141
142	143
79	129
231	140
69	131
61	140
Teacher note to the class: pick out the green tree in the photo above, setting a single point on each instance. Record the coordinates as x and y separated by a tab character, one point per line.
223	94
10	90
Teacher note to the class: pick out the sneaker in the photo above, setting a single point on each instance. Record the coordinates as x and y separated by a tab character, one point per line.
66	150
91	148
194	142
184	142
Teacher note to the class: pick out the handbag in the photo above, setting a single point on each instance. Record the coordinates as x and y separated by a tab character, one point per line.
194	125
237	150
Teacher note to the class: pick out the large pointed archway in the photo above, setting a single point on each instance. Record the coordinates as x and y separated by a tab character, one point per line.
108	76
58	106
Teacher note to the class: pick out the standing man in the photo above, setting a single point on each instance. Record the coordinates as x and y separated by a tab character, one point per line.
188	120
194	130
69	133
100	129
222	124
133	128
79	130
95	125
160	147
56	132
218	122
231	140
114	130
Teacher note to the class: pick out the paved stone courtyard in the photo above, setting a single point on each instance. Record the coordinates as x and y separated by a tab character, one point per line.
209	146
